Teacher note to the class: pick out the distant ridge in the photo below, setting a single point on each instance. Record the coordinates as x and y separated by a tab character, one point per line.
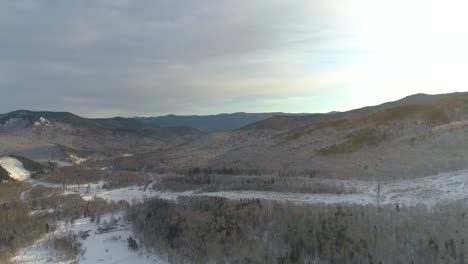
211	122
25	119
286	122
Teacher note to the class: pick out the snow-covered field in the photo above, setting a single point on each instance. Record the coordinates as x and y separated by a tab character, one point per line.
106	248
134	193
15	168
41	252
427	191
110	247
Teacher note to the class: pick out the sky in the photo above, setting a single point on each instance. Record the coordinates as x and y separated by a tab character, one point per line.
103	58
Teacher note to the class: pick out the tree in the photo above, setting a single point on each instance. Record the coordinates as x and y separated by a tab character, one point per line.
132	244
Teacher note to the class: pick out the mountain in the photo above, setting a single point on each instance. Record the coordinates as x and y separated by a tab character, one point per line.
416	136
211	122
39	134
286	122
28	119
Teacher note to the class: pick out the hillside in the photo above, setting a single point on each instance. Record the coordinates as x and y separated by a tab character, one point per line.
416	136
4	175
38	134
393	141
286	122
211	122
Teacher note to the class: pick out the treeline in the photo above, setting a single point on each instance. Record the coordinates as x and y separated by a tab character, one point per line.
311	173
223	171
18	227
120	179
73	175
221	182
83	175
4	175
203	230
71	206
35	168
10	191
24	221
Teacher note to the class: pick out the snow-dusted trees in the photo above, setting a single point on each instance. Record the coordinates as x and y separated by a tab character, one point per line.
203	229
18	227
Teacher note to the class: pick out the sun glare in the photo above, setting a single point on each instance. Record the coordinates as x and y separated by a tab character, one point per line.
411	46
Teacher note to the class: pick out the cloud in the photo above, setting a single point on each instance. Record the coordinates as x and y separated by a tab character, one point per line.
146	57
149	57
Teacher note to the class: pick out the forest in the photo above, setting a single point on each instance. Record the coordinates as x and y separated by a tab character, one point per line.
216	230
23	221
209	180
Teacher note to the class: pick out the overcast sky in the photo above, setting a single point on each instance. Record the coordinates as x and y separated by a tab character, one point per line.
101	58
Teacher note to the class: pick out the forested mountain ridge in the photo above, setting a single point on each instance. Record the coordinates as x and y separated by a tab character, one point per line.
212	122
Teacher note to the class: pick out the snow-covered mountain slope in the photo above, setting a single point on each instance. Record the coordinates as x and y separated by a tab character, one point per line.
15	168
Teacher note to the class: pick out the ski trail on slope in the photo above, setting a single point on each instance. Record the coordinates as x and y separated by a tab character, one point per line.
15	168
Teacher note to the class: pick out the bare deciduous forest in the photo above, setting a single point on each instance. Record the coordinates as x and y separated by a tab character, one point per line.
202	230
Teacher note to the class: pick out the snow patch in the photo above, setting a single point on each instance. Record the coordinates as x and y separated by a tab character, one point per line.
133	193
42	122
15	168
76	159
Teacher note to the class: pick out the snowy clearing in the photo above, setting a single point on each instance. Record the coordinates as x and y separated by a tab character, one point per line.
42	251
111	247
426	191
15	168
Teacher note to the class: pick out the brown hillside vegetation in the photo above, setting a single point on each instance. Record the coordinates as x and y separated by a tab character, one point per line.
403	141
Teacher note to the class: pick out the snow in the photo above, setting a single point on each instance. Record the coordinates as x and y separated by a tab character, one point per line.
432	190
15	168
60	163
112	247
115	243
134	193
76	159
105	248
41	252
41	122
429	191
